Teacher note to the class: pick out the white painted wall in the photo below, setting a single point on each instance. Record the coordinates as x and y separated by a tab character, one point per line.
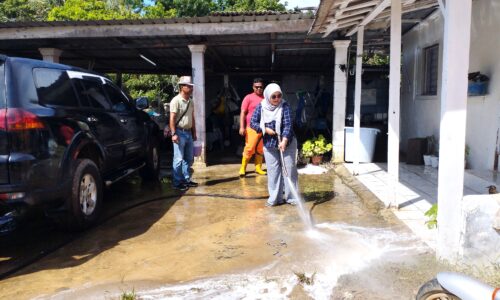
483	113
420	115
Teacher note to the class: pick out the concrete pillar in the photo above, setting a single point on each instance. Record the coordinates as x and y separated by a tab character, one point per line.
357	98
456	44
339	98
198	73
394	97
50	54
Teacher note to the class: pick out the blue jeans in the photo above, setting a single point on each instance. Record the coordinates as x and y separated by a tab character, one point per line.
183	157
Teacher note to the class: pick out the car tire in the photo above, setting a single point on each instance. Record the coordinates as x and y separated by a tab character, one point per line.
84	204
151	171
432	290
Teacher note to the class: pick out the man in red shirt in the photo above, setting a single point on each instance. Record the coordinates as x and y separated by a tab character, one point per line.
253	140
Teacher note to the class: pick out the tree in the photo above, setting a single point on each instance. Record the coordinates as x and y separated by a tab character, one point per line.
26	10
191	8
251	5
150	85
158	11
91	10
188	8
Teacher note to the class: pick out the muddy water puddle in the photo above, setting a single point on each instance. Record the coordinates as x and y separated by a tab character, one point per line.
210	247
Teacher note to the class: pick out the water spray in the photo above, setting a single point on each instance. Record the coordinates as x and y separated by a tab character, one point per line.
306	218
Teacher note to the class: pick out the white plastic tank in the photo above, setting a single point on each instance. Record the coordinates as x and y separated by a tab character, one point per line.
367	148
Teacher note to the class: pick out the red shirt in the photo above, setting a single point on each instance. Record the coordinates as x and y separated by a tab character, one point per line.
249	104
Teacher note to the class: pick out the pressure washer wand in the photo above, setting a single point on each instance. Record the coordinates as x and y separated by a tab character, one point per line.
285	172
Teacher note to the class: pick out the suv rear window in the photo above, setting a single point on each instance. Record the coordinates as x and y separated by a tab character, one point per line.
2	84
54	87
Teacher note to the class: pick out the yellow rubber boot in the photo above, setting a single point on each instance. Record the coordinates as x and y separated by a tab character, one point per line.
258	165
243	168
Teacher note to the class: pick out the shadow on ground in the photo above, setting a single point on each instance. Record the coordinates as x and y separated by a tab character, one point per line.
38	236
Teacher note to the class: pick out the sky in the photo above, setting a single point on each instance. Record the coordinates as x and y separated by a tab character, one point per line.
300	3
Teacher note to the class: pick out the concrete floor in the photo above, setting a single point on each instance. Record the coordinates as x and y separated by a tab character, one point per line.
417	191
219	241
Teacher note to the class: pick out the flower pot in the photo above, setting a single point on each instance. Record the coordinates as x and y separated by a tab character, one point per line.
316	159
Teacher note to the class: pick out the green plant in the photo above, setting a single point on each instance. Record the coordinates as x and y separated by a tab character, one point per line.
129	295
432	215
315	146
304	279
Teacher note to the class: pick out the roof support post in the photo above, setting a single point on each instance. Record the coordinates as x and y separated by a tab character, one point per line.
357	97
50	54
394	96
198	73
339	98
119	79
456	41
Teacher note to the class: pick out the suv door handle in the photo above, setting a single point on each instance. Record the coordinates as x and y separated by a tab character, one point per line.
124	121
92	119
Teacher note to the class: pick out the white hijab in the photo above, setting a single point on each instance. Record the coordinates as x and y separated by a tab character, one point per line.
271	112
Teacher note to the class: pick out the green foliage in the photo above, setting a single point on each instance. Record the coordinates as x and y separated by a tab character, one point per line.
158	11
373	59
129	295
74	10
25	10
376	60
432	215
304	279
315	146
186	8
190	8
251	5
151	86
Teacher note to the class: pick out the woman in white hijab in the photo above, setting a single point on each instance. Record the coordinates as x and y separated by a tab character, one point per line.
273	117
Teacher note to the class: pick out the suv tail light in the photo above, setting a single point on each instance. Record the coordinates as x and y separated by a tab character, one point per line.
16	119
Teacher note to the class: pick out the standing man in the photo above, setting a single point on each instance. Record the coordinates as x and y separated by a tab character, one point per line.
253	140
182	125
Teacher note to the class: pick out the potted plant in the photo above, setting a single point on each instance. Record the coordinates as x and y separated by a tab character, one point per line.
315	148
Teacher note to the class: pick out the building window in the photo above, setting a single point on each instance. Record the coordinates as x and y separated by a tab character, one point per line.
430	70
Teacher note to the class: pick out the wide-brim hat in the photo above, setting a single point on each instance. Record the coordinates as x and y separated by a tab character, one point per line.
185	80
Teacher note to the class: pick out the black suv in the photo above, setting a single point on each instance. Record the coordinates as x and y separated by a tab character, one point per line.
64	134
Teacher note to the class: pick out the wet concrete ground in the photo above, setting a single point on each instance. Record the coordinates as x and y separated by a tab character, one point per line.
219	241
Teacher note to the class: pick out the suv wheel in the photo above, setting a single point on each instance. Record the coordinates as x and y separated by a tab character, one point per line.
84	203
151	170
432	290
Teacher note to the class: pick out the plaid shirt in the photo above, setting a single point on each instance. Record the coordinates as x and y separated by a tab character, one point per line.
286	126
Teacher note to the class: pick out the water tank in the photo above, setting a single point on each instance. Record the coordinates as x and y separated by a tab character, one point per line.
366	149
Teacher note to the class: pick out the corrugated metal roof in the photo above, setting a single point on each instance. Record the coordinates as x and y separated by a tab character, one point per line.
345	16
222	17
237	47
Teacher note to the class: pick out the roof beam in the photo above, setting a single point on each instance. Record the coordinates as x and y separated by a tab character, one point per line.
189	29
333	25
424	4
362	5
372	15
